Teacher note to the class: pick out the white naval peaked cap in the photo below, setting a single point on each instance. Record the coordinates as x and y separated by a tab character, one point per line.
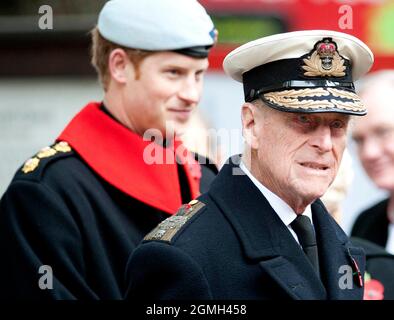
302	71
293	45
157	25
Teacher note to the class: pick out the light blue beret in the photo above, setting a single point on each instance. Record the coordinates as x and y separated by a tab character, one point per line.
157	25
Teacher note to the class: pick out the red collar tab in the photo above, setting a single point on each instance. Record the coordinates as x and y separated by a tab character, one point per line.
117	155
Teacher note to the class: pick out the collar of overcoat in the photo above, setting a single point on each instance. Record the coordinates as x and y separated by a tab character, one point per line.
118	155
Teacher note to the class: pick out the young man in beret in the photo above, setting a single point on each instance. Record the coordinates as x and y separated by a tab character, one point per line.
261	232
75	211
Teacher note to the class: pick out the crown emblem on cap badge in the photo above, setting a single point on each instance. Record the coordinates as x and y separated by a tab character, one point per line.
324	61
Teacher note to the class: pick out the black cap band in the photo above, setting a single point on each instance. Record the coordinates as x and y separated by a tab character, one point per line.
195	52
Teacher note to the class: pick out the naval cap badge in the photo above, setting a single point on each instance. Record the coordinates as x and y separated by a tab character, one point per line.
324	61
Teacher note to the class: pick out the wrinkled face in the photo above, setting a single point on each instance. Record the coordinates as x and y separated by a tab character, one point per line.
165	94
374	137
299	153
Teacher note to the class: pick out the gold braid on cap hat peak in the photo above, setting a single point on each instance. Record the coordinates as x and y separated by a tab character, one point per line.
343	94
290	99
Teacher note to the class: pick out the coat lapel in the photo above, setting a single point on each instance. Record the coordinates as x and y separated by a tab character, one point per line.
263	236
337	256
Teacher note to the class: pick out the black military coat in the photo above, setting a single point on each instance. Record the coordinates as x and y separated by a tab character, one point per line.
232	245
372	224
68	222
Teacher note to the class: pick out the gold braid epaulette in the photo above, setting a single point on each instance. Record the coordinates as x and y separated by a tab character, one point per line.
168	228
32	163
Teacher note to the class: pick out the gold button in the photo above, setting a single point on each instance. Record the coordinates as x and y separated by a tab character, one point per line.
193	202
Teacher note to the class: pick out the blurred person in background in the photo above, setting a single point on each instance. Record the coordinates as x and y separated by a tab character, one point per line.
374	137
379	268
74	212
337	191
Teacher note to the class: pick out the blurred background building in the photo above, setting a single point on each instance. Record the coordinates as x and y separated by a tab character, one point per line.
46	77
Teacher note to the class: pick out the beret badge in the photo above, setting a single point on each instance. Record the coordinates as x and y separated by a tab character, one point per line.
324	61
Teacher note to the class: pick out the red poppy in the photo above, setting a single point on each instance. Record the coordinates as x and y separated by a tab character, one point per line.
373	290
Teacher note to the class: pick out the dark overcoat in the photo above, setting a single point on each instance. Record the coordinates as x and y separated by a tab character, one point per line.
75	211
232	245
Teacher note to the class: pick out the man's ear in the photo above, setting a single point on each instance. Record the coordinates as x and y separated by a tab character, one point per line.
249	115
119	65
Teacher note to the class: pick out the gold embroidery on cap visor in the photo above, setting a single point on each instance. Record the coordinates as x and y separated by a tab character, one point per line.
298	100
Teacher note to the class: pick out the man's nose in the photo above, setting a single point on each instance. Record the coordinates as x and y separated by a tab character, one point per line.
322	139
190	91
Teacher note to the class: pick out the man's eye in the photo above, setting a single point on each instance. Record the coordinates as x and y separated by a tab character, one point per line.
173	72
358	140
337	124
304	119
384	131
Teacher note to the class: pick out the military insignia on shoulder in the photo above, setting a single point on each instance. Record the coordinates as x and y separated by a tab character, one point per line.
31	164
62	146
168	228
324	61
46	152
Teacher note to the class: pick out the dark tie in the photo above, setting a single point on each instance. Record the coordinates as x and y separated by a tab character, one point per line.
302	226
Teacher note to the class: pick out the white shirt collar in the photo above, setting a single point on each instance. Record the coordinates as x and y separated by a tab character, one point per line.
283	210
